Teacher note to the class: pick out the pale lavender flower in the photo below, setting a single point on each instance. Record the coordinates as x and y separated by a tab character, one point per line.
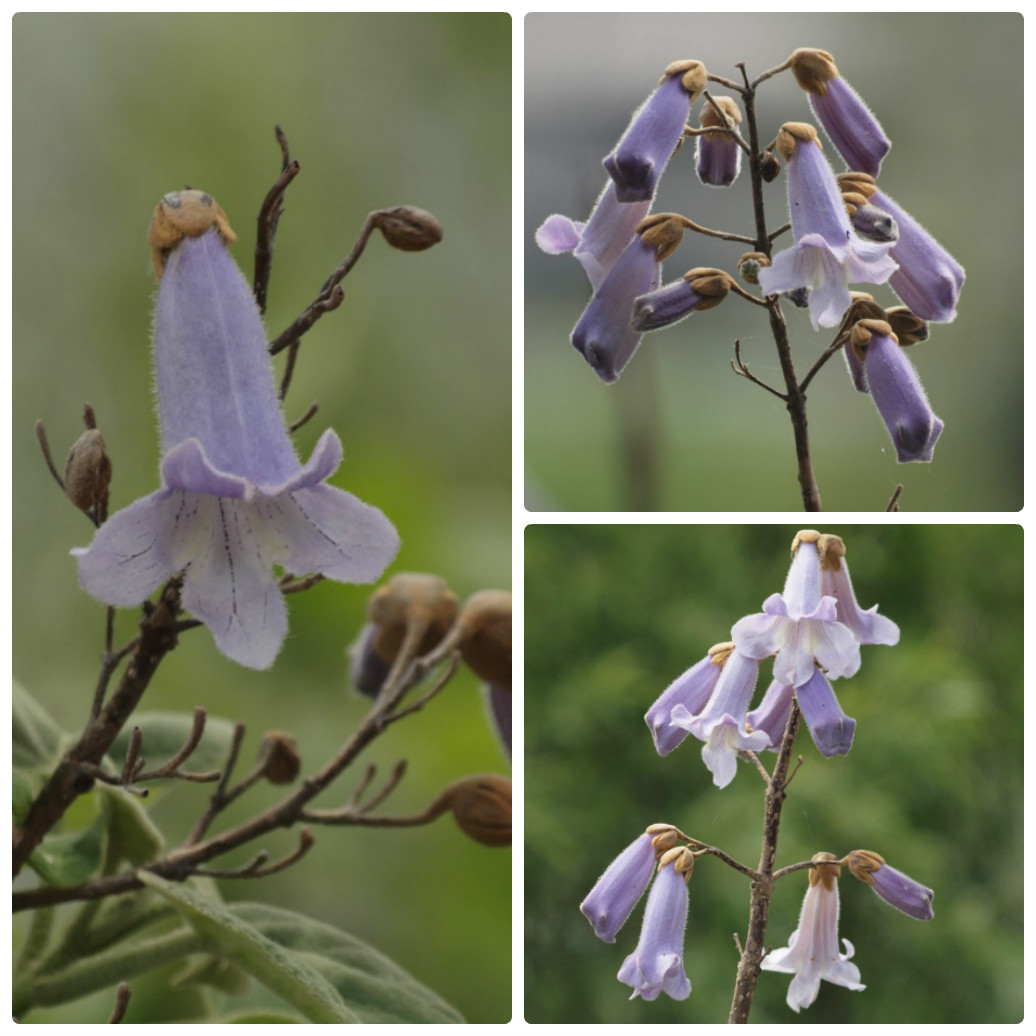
895	887
812	952
692	690
800	625
831	729
598	242
868	626
900	398
721	724
719	154
611	901
656	965
827	255
637	163
929	280
235	501
603	333
772	714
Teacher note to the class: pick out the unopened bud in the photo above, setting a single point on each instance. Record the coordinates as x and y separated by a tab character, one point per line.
813	69
482	808
863	863
712	285
663	232
410	598
88	472
769	167
693	75
484	632
183	214
279	757
749	265
407	228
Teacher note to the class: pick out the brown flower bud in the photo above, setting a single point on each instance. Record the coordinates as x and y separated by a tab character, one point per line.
484	632
907	326
663	231
411	598
831	550
769	167
407	228
711	284
88	472
749	265
863	330
791	133
279	757
863	863
482	808
813	69
693	75
183	214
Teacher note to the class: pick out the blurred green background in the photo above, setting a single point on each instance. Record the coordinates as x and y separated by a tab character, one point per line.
413	371
933	781
937	82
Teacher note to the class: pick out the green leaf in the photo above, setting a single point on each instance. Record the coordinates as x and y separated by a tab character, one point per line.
132	835
373	986
23	793
165	733
262	1018
68	860
212	971
35	737
287	974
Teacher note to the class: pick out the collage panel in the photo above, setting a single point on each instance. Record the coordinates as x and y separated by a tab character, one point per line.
777	307
727	740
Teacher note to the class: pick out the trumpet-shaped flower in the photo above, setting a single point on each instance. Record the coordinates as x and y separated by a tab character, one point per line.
831	729
895	887
719	154
772	714
598	242
721	724
812	953
656	965
611	901
800	625
692	690
235	500
827	255
868	626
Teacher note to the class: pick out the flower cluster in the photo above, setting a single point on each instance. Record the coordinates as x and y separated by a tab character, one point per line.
846	231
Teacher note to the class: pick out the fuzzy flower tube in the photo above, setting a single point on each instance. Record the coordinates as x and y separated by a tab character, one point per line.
235	500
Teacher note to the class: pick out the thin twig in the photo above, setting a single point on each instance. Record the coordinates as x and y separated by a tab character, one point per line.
387	789
893	504
723	235
122	999
41	438
290	585
219	797
269	216
256	868
728	83
741	369
769	73
757	763
728	124
711	850
310	413
777	233
826	355
428	695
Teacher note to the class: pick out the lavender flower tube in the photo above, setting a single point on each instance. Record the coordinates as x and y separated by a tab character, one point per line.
692	690
611	901
235	500
895	887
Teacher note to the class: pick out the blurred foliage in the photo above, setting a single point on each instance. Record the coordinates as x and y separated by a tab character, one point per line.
933	781
708	426
413	371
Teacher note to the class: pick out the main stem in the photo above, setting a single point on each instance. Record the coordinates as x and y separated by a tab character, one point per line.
795	398
748	969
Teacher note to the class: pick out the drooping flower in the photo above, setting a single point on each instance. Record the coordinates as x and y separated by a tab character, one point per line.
800	625
598	242
692	690
831	729
827	255
772	713
897	391
721	724
235	501
699	289
812	953
853	129
719	154
868	626
895	887
656	965
611	901
637	163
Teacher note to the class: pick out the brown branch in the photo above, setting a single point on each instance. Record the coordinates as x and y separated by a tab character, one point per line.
723	235
893	504
41	438
290	585
310	413
122	999
740	368
728	124
269	216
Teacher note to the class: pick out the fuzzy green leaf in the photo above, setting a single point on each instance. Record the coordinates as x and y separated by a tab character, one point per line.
35	737
131	833
68	860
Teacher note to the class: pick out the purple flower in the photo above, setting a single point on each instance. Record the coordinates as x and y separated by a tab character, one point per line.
691	690
868	626
599	242
721	724
895	887
800	625
641	155
827	255
719	154
831	729
603	333
235	501
698	289
853	130
773	712
897	392
929	279
498	701
656	965
611	901
812	951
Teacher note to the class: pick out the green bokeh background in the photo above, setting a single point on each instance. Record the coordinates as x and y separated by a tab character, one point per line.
413	371
933	781
938	83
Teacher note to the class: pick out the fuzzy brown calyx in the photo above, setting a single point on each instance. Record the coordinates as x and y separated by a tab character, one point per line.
682	860
813	69
830	550
183	214
862	332
693	76
664	837
663	232
804	536
907	326
88	472
482	808
411	600
863	863
279	757
711	284
710	117
408	228
828	871
789	135
749	265
719	653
